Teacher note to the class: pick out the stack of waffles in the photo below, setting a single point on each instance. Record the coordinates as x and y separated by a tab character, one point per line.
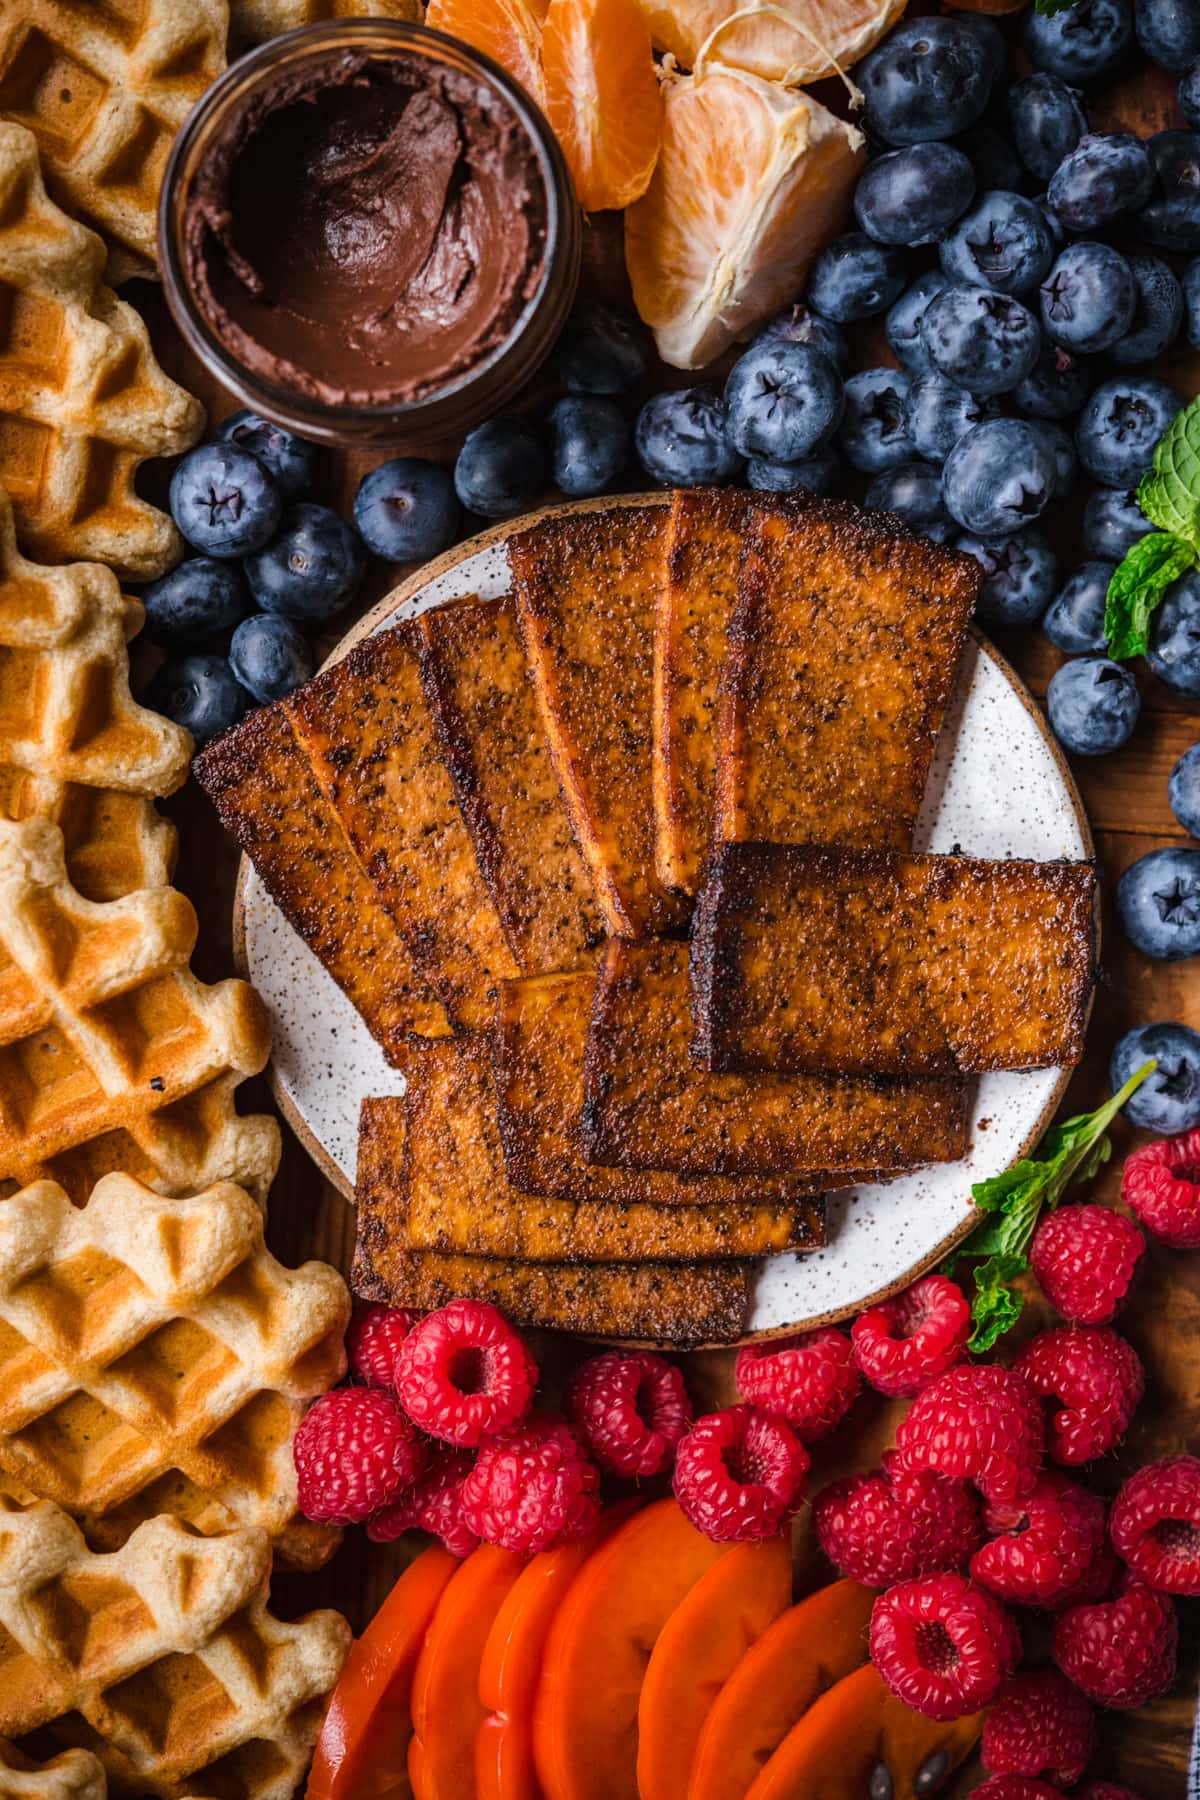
610	867
155	1359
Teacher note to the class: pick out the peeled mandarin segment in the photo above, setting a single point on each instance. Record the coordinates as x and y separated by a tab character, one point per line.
509	31
812	38
446	1712
699	1647
844	1736
602	98
585	1720
720	241
804	1653
362	1751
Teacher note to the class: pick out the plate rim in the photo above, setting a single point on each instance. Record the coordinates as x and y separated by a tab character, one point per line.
407	589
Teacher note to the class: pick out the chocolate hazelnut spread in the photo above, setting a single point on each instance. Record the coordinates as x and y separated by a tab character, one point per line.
367	228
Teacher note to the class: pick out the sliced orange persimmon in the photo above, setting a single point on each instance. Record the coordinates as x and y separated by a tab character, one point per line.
602	97
697	1650
853	1728
585	1717
805	1651
793	41
509	31
446	1712
362	1752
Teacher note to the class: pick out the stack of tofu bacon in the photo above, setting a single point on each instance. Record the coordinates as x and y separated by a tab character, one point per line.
499	824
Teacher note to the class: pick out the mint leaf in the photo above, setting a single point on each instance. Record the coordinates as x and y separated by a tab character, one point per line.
1138	584
996	1307
1170	495
1048	7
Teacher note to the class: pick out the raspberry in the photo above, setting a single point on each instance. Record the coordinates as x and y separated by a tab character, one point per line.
902	1344
354	1453
1104	1790
1085	1258
1098	1378
532	1487
433	1505
373	1343
1039	1725
810	1381
978	1423
739	1474
942	1645
1160	1185
878	1535
1015	1787
632	1409
464	1374
1049	1550
1120	1652
1156	1524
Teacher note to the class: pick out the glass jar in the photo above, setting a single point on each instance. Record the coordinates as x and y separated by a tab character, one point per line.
476	391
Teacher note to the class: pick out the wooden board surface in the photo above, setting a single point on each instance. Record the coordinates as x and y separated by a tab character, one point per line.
1126	799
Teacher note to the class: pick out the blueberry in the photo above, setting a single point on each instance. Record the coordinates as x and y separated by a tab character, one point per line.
1183	790
501	468
602	351
201	693
1157	315
1093	705
1056	387
874	428
198	599
590	441
940	412
903	323
290	459
1191	301
800	325
1103	177
1088	298
1019	574
1120	425
1113	522
998	478
985	342
820	474
1174	653
406	509
1171	220
1168	1101
993	159
682	441
1158	899
1047	122
1075	620
311	567
1168	31
782	401
1062	451
1189	94
929	78
913	491
270	656
1080	43
854	278
224	501
914	195
1003	243
1054	224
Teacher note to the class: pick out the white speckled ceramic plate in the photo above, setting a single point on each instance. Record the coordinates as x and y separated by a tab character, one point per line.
999	787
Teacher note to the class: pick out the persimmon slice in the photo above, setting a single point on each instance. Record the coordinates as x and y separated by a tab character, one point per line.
698	1648
509	31
602	97
807	1650
362	1752
585	1718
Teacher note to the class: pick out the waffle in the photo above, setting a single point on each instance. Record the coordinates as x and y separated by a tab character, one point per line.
82	400
75	748
254	21
75	1775
112	1054
160	1658
104	89
155	1357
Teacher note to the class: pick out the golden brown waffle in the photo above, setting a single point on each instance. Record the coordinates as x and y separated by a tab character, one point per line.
75	1775
254	21
75	748
112	1054
160	1657
82	399
154	1357
104	89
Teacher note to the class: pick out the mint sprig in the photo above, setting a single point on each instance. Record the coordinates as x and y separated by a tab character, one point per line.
1169	495
1048	7
999	1244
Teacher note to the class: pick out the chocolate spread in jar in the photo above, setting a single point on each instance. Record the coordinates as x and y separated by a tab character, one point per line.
367	228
